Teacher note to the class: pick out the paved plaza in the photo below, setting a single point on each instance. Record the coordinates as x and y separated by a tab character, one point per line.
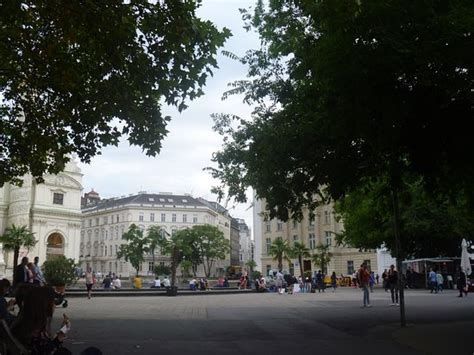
329	323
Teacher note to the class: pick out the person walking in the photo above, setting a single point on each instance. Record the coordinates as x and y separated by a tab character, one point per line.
439	281
377	278
433	280
461	283
363	276
334	281
392	280
371	281
38	274
90	280
384	280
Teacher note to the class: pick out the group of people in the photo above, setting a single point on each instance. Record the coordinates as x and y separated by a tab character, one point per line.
201	284
29	310
110	281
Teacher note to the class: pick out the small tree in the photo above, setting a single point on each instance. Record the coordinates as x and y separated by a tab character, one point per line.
60	271
162	270
135	248
322	257
279	250
300	251
15	238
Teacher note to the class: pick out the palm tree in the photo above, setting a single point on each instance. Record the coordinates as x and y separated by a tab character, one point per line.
251	264
300	251
279	250
15	238
322	257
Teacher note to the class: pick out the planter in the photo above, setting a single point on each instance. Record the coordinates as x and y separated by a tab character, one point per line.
172	291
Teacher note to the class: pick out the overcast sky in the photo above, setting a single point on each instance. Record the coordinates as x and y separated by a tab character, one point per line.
190	142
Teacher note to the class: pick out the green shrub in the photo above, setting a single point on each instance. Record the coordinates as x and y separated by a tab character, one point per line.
59	271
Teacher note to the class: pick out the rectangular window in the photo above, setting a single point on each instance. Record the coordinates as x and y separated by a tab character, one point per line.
90	222
118	218
267	226
58	198
163	217
268	268
327	217
350	267
151	266
279	226
295	224
140	267
105	220
327	234
140	217
111	219
105	251
312	241
97	221
173	217
311	222
152	217
195	219
295	239
185	218
268	244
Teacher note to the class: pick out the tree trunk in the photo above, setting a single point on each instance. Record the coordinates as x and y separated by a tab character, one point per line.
300	260
280	263
16	253
398	249
174	266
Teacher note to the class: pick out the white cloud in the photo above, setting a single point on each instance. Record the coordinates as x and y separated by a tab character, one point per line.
190	143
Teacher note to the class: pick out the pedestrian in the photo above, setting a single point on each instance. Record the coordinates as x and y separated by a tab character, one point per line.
392	280
333	281
363	279
433	281
377	278
307	283
439	281
461	283
320	281
371	281
38	274
279	283
21	275
384	280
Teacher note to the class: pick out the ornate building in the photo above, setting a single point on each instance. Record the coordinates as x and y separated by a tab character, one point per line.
104	222
51	210
311	231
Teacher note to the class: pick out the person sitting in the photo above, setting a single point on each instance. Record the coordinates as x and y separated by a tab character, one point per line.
32	326
117	283
226	282
156	283
192	284
166	282
107	282
137	282
5	306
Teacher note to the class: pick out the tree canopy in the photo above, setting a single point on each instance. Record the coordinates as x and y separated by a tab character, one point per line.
76	76
136	247
432	224
349	89
280	250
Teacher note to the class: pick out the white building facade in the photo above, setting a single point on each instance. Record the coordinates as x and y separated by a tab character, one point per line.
105	221
51	210
246	243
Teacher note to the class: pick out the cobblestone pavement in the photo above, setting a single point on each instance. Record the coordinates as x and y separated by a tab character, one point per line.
323	323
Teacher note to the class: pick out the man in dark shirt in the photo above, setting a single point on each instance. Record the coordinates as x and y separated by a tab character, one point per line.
21	275
4	305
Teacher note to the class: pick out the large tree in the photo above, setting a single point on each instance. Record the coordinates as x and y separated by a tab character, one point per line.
432	224
211	244
352	90
77	75
156	238
15	238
